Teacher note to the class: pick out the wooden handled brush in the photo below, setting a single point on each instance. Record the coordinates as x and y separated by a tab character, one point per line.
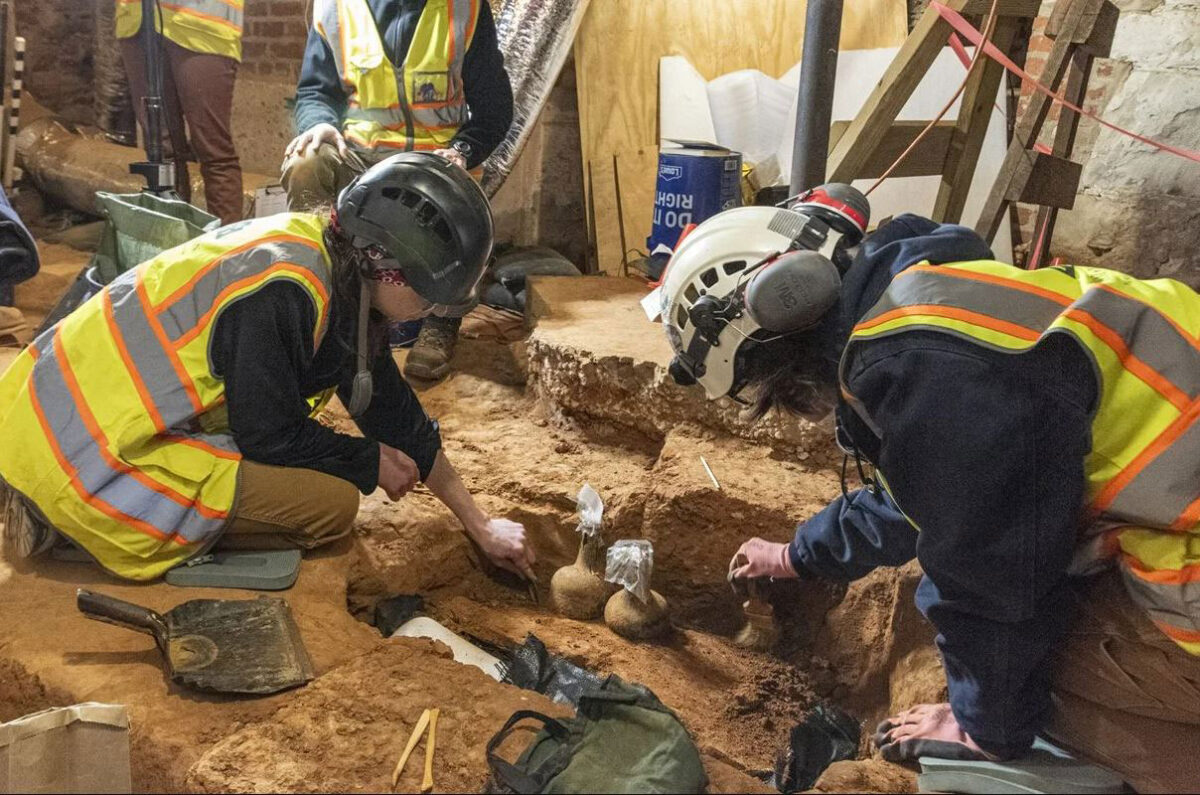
760	632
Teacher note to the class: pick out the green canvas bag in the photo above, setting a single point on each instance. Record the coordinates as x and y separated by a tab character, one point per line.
622	740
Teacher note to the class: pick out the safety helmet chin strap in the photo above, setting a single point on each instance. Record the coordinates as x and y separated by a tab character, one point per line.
364	385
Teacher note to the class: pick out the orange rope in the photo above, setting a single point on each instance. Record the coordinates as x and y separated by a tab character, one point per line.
988	29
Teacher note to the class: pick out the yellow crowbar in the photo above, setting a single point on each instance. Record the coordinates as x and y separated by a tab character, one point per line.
428	719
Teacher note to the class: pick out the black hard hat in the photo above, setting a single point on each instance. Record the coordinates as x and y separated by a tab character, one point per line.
429	215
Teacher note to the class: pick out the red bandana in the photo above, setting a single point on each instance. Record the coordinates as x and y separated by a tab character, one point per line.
388	276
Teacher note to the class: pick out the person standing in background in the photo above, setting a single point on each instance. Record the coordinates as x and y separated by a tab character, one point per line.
201	46
387	76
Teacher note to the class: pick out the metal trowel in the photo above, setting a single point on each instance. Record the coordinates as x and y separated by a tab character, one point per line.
247	646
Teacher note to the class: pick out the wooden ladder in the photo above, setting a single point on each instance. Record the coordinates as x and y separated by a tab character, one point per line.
867	146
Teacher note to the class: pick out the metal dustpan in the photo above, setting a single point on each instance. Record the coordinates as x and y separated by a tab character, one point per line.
218	645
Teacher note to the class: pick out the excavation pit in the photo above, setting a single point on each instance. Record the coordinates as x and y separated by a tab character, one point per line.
525	458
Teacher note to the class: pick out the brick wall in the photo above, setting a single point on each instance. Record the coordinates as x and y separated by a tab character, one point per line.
58	56
273	39
1099	89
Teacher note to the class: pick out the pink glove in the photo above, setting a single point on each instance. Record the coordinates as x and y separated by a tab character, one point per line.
759	558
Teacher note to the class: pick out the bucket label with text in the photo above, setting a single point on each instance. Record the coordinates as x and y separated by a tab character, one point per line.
692	185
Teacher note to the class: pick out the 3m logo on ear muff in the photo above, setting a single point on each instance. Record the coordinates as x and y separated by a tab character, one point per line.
794	292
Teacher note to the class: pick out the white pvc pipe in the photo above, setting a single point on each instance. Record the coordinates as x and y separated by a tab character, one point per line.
465	652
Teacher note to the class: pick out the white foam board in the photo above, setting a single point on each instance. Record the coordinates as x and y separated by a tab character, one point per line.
683	110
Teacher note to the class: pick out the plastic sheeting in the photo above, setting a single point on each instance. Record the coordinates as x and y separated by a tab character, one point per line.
113	104
138	226
536	36
630	565
531	666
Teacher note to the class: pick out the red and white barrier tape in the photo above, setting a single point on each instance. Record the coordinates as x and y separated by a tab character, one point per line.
968	32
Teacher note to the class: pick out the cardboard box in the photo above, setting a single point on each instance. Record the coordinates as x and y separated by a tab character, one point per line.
81	748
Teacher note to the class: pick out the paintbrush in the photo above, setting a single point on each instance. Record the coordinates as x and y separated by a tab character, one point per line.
760	632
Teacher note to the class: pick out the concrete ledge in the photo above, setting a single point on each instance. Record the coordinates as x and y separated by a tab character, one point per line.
594	358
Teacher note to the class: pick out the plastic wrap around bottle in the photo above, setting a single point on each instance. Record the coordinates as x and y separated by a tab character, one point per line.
536	37
113	103
591	511
630	565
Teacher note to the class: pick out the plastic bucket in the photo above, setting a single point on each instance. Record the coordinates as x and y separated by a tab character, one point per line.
693	184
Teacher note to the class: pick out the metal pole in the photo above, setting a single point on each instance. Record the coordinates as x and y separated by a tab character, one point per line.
814	105
159	175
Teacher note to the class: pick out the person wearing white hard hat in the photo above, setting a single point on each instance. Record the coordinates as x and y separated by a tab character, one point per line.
1028	436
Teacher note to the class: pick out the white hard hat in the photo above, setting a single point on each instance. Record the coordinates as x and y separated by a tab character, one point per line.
745	276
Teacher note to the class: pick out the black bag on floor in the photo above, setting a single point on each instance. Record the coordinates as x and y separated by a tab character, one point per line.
622	740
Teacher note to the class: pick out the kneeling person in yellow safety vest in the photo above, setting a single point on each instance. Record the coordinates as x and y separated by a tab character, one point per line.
381	76
175	410
1032	438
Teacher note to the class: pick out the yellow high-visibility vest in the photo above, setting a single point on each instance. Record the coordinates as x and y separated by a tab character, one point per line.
1143	472
114	423
213	27
416	105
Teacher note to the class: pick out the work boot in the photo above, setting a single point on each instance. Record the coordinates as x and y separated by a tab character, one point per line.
23	532
430	356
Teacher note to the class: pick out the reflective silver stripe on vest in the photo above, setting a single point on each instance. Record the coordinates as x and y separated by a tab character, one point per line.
325	23
210	8
150	361
107	485
449	116
1165	487
1170	482
1177	605
915	288
392	118
396	119
182	316
1149	336
220	441
463	20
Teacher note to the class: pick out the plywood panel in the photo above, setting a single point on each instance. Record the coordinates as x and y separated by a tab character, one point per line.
617	52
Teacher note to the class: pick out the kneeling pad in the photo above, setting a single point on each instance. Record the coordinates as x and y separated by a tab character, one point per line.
266	570
1047	768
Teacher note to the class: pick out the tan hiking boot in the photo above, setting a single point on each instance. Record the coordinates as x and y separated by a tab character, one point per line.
430	357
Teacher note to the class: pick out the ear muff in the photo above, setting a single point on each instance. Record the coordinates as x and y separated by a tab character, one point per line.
793	292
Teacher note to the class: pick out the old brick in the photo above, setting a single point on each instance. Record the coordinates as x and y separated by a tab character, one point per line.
267	29
286	50
287	8
253	49
296	29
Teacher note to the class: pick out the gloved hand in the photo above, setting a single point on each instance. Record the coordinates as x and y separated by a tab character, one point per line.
926	730
454	156
759	558
308	142
504	543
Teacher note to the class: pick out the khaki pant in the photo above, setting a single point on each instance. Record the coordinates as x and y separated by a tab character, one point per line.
1126	696
313	181
198	90
288	507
